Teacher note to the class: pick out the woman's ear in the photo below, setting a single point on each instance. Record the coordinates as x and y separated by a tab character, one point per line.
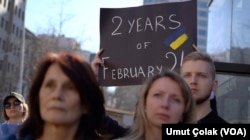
24	109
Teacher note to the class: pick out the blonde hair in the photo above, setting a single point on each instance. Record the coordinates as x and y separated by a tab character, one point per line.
195	56
138	129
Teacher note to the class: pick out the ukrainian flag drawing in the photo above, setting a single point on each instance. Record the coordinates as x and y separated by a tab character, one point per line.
176	39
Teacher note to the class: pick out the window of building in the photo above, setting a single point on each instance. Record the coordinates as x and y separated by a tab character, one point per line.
203	14
202	23
10	49
20	34
8	67
22	16
12	68
1	64
228	35
6	25
17	29
18	53
202	32
16	71
202	4
2	22
4	43
13	28
4	3
19	13
8	6
15	9
14	50
0	42
202	41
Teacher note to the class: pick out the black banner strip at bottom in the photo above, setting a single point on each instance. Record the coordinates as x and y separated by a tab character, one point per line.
203	131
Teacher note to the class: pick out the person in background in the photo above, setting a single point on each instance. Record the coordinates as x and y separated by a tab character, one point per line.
198	71
14	113
206	61
213	102
165	99
96	63
65	101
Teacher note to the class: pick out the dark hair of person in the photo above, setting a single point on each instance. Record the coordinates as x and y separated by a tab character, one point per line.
91	96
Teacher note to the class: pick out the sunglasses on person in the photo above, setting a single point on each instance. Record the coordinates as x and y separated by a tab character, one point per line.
8	105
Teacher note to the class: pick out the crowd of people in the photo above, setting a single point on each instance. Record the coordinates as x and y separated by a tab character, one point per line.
65	101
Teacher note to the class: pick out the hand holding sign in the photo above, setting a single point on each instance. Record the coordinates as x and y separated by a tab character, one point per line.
97	62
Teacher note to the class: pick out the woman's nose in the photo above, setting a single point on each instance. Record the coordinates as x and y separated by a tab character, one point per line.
58	93
165	103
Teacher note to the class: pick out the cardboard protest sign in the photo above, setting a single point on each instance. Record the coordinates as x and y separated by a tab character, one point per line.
140	42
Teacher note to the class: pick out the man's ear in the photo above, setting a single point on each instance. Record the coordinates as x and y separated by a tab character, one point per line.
215	85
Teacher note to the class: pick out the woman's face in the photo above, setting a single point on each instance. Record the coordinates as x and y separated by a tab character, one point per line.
14	108
164	102
59	99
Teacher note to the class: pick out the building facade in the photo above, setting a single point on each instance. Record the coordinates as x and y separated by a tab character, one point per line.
229	41
31	50
12	15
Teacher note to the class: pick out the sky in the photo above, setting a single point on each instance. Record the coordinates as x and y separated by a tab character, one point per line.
81	18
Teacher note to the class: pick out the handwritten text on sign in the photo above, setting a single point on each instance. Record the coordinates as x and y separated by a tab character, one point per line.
140	42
